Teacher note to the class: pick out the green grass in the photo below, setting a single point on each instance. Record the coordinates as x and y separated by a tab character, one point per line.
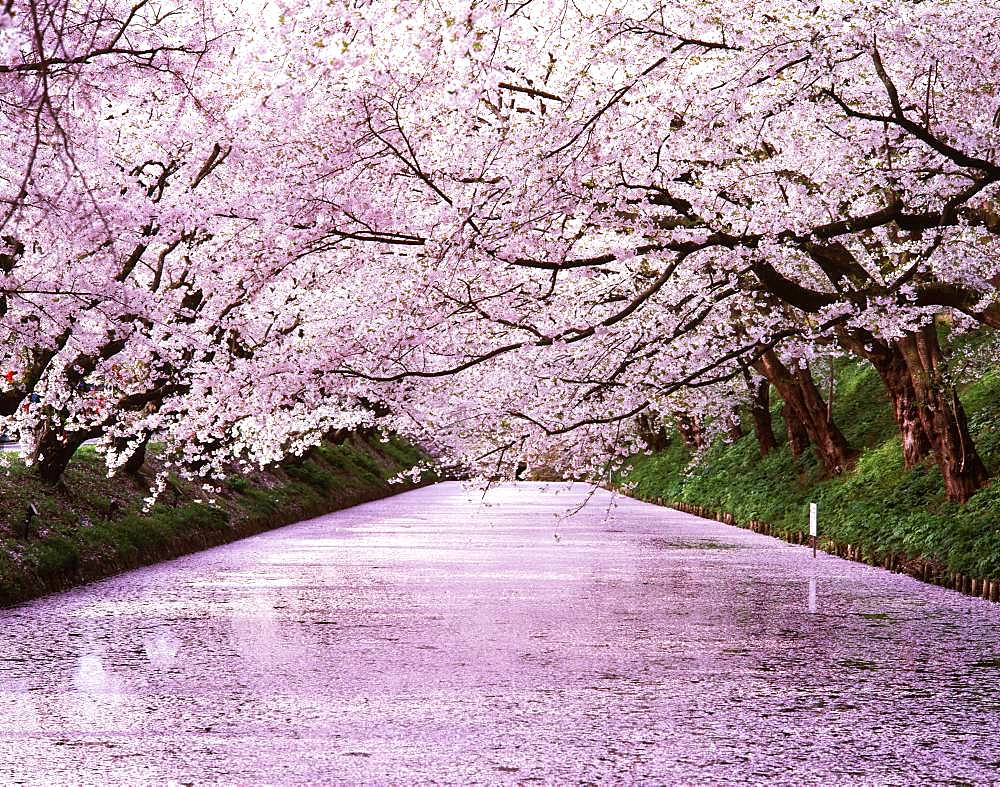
92	526
880	506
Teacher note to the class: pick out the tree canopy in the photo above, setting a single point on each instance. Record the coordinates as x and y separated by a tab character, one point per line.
515	231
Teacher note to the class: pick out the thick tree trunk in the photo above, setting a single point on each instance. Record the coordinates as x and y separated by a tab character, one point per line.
54	450
760	411
652	432
690	432
890	363
942	415
803	397
798	439
906	409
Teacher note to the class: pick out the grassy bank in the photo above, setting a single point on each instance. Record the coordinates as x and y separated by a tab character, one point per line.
92	526
888	513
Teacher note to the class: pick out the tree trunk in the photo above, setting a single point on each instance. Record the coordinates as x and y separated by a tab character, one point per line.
54	450
890	363
337	436
803	397
798	439
652	432
942	415
760	411
133	465
690	432
735	427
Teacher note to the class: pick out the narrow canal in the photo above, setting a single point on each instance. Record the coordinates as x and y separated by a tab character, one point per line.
442	636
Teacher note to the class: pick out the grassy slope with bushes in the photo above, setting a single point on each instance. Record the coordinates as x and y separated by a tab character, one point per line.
92	526
880	506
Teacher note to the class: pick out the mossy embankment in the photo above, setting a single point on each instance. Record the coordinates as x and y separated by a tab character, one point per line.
887	514
92	526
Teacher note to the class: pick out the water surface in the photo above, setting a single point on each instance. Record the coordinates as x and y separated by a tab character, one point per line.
440	636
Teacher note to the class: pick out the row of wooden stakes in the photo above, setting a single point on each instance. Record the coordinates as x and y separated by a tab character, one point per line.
988	589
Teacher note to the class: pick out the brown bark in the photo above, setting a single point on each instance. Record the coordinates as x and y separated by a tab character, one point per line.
133	465
337	436
760	411
690	432
736	431
807	405
890	363
942	415
798	439
54	449
652	432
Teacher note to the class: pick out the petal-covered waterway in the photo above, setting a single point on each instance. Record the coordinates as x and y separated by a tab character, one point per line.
438	636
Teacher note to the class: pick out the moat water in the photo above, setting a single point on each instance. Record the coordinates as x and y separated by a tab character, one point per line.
444	636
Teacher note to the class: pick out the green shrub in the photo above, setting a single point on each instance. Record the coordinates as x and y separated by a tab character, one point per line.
53	556
881	505
79	535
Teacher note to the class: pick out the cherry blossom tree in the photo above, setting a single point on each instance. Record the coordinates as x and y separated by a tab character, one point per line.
520	232
148	266
825	172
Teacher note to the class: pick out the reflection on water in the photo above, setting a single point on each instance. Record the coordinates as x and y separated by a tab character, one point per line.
433	636
161	648
99	700
90	676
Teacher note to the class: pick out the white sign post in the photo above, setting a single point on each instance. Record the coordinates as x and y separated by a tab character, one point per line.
812	526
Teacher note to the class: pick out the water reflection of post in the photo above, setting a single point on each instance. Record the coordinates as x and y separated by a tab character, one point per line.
90	676
812	595
95	704
162	649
